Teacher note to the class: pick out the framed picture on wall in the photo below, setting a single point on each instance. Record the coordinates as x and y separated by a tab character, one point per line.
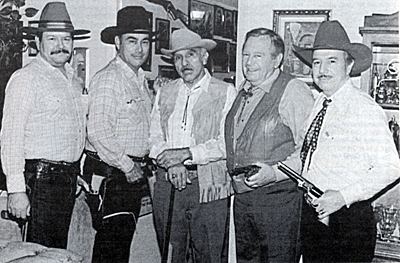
298	27
232	57
218	21
201	18
162	29
147	64
220	57
228	24
235	24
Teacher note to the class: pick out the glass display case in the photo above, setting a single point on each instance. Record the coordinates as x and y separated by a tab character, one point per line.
381	33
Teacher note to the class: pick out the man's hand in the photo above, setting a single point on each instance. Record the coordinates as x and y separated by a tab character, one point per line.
19	205
159	82
172	157
330	202
135	174
265	176
178	176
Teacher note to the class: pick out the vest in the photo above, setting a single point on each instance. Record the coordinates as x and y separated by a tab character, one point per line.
214	181
265	138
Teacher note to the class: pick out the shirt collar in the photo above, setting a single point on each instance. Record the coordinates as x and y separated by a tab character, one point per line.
128	71
47	66
267	84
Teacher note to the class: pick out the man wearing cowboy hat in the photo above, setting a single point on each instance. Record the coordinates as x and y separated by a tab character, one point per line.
120	104
187	142
266	125
348	152
43	132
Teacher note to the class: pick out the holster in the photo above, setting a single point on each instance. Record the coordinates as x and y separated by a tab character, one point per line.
114	190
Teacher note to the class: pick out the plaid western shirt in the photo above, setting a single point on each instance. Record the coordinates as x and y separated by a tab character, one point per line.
43	118
119	114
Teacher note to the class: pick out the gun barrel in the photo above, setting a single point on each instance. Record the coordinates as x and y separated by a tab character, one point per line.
300	180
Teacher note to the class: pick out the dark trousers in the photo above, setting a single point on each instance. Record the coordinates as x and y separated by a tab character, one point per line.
114	212
52	198
203	224
267	224
350	237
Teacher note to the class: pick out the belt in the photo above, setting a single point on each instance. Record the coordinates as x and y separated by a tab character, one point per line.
43	166
144	159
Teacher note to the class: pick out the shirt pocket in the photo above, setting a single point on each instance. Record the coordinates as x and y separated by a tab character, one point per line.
131	110
55	108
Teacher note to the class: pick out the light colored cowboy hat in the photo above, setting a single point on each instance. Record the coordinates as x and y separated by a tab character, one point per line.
54	17
331	35
186	39
130	19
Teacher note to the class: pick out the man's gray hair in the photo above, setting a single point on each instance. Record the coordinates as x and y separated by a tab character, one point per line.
276	40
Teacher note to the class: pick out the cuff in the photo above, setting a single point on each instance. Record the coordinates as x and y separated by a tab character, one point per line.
196	154
127	164
16	184
351	194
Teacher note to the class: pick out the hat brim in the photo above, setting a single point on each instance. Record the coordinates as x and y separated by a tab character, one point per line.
108	34
208	44
359	52
35	31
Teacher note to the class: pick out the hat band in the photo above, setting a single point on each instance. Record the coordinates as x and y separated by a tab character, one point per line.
56	25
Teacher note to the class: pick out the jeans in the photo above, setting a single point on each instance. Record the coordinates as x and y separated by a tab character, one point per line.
115	214
52	199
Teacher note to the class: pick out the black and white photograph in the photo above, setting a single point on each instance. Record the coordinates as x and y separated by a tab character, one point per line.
162	29
183	131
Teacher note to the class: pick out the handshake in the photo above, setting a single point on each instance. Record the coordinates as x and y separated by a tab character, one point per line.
246	170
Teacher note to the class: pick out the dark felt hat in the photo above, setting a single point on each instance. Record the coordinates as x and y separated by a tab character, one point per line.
54	17
130	19
331	35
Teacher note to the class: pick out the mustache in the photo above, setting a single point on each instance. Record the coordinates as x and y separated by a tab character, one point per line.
60	51
324	76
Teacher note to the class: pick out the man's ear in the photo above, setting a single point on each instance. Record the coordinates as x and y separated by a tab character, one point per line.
205	57
278	60
349	67
117	42
37	41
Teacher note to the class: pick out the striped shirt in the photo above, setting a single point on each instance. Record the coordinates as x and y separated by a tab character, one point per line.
44	117
119	114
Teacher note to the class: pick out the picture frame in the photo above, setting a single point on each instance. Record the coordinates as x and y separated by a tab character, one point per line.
147	64
219	19
201	18
228	24
220	57
167	72
235	25
163	34
298	27
232	57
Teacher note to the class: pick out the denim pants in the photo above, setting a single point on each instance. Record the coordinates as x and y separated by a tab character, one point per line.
52	198
114	210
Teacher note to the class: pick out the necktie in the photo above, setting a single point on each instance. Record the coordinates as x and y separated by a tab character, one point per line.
310	141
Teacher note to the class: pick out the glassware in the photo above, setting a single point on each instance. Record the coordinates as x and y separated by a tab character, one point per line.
388	217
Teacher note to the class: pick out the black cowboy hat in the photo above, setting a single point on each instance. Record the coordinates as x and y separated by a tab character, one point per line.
54	17
331	35
130	19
